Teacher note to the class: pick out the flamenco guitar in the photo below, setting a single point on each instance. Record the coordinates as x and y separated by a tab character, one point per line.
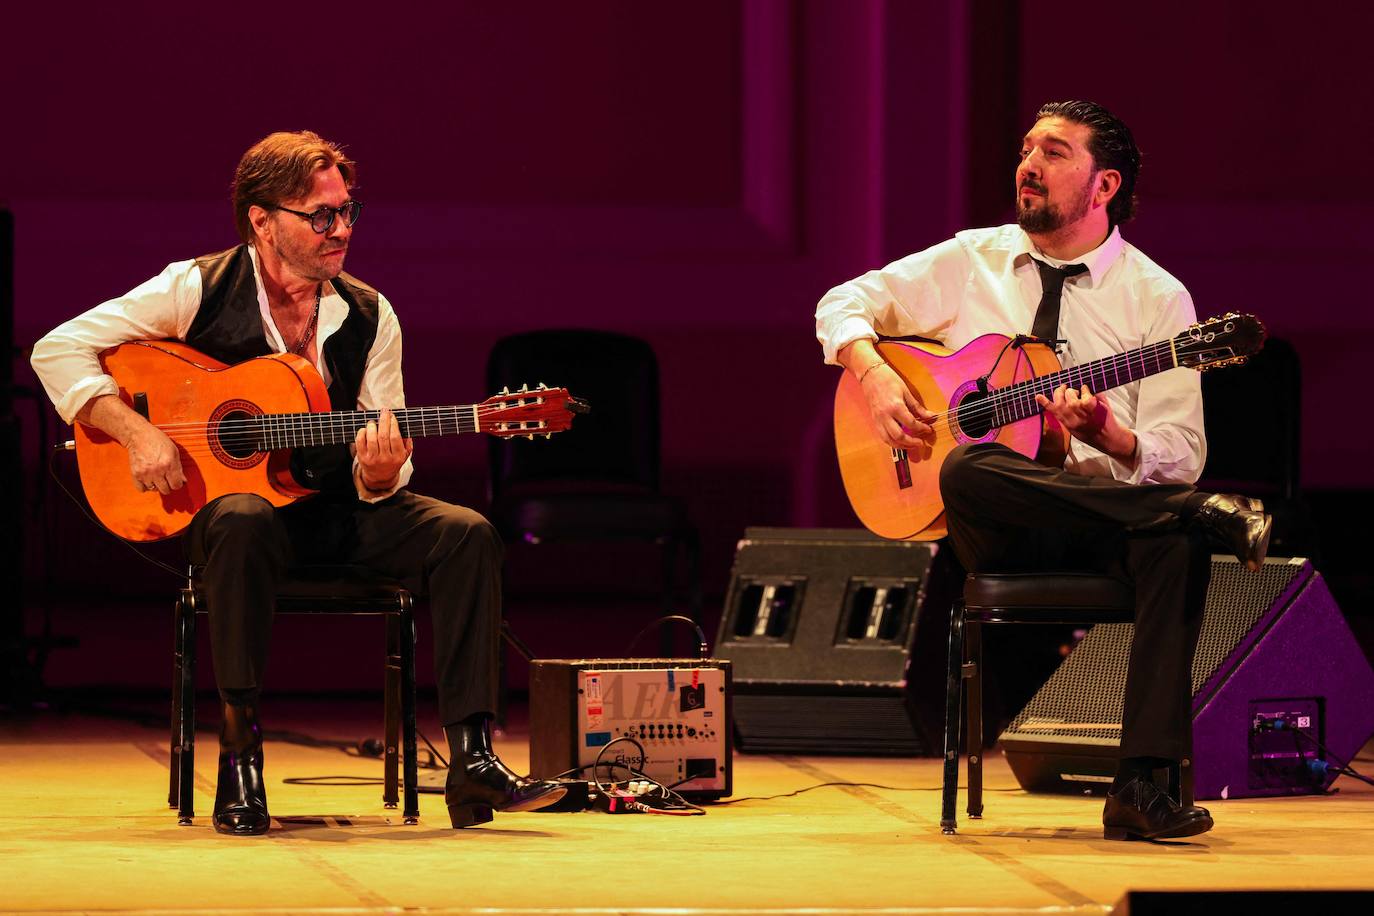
985	392
234	427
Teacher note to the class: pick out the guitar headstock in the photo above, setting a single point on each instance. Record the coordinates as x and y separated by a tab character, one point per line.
529	412
1225	341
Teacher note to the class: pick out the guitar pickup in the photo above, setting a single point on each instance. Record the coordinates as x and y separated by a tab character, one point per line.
902	466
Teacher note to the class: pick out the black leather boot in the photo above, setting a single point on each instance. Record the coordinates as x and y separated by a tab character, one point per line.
479	783
241	797
1238	523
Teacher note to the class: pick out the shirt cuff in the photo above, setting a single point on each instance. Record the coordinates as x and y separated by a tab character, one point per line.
1146	460
844	334
376	496
81	393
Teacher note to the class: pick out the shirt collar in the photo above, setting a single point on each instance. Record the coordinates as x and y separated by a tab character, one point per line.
1098	261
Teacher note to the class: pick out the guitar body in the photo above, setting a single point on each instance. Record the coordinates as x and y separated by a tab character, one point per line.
196	400
896	493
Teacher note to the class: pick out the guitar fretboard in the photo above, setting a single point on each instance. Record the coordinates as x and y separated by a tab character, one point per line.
1017	402
338	427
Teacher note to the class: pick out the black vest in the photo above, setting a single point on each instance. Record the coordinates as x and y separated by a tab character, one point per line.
228	327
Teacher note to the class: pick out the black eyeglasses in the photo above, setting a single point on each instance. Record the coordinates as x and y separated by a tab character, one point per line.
322	220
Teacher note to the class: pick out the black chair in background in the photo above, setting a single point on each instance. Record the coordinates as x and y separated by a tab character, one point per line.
1253	414
309	590
599	481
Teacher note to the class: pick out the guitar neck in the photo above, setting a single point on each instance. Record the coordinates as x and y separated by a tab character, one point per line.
339	427
1017	402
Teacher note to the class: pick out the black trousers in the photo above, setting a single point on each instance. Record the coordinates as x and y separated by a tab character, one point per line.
1008	514
448	553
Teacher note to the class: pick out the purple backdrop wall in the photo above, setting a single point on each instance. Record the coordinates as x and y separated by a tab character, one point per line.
695	173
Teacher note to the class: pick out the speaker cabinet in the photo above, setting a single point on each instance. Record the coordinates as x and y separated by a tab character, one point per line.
1281	692
822	626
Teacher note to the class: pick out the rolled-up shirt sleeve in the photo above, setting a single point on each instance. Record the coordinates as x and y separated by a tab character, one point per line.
1171	444
383	387
67	360
907	297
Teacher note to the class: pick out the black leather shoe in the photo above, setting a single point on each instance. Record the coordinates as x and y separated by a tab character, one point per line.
241	796
479	783
1239	523
1140	810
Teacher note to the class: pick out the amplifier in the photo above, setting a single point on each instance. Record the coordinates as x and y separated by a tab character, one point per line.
678	709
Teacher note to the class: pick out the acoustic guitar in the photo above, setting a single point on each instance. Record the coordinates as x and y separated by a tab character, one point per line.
235	426
985	392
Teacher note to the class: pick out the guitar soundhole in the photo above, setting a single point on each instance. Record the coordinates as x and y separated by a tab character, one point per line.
972	418
234	434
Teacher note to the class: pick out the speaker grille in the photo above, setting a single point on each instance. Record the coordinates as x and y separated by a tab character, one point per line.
1082	700
814	724
1236	599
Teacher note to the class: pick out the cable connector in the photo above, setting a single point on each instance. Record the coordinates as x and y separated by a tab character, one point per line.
617	801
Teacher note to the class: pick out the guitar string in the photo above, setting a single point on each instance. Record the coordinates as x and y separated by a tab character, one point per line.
1007	398
253	419
418	420
194	438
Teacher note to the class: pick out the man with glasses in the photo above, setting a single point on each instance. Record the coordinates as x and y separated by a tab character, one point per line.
283	290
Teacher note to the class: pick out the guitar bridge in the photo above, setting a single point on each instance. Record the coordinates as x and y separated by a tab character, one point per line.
902	468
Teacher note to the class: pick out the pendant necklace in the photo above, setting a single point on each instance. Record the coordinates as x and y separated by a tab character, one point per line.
309	331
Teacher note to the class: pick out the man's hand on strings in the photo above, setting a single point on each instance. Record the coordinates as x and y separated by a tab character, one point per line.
381	450
1089	418
154	461
901	420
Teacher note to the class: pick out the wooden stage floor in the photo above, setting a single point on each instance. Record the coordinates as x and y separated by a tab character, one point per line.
84	827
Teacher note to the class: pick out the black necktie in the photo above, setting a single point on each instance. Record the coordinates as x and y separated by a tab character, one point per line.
1046	324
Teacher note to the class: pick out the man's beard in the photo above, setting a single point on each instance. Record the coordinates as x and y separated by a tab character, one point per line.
1048	217
308	261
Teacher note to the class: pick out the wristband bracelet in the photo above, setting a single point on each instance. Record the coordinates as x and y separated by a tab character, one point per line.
870	369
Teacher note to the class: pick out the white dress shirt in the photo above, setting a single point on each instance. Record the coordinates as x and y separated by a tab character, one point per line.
983	281
67	362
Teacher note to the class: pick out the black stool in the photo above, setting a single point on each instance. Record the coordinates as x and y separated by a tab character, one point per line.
309	590
1066	597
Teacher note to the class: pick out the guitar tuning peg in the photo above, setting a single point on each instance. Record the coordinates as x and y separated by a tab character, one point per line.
505	390
530	437
541	387
524	388
548	435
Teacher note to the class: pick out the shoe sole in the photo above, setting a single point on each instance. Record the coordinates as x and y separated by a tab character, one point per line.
552	797
1191	828
471	815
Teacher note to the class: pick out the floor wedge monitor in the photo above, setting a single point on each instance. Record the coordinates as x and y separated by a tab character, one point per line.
1282	694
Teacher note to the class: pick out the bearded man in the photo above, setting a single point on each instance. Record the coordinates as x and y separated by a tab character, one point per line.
1124	501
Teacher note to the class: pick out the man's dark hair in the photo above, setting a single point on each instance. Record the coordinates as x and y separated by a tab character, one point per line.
1111	146
280	167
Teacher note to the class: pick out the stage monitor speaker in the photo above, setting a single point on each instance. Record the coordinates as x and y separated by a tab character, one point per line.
830	644
1281	692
